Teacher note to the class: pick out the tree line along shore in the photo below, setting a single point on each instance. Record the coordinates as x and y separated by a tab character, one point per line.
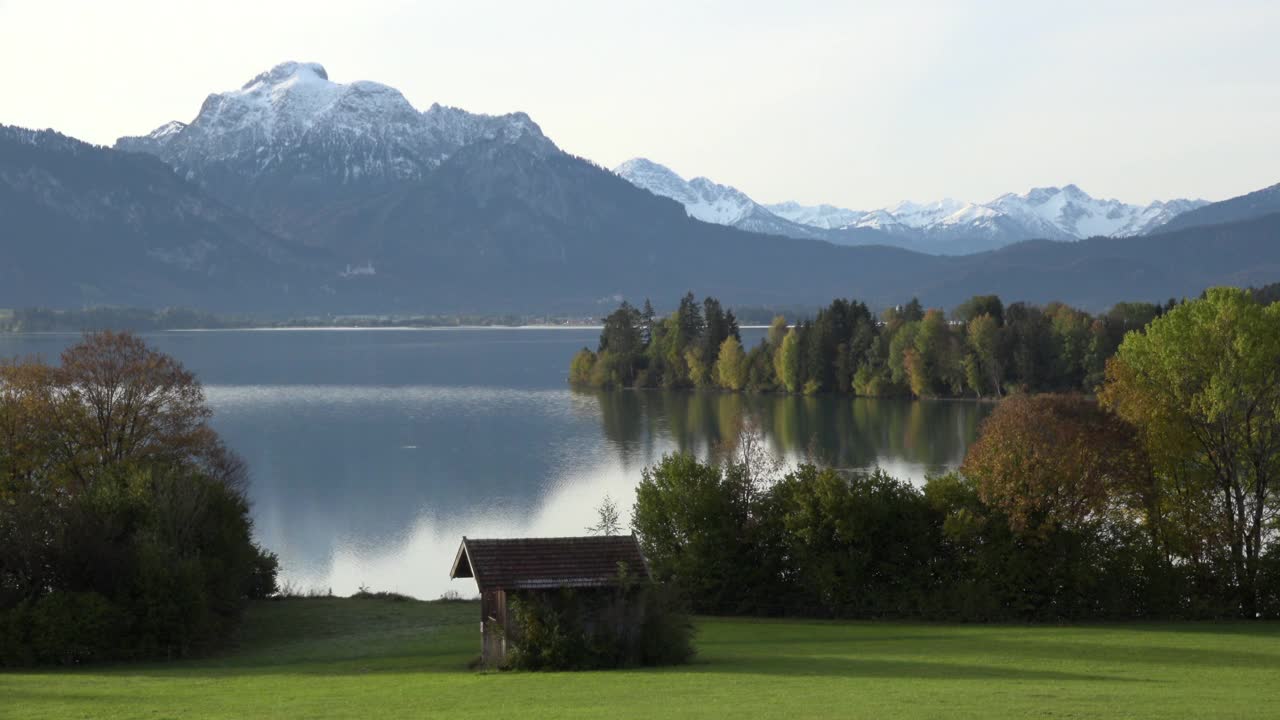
983	349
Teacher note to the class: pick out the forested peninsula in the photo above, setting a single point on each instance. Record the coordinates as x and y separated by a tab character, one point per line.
1157	500
982	349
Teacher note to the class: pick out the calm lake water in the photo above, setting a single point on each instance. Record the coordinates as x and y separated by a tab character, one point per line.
373	451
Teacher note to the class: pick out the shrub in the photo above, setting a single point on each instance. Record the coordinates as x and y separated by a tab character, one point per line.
872	382
666	634
15	640
68	628
625	626
263	573
290	591
862	544
364	593
1269	584
581	366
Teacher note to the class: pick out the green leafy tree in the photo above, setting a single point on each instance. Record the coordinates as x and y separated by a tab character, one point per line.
786	362
777	331
731	365
647	320
694	523
912	311
979	305
917	372
689	321
623	332
719	324
123	518
670	351
925	362
1028	350
699	372
608	519
581	366
903	339
1202	384
1070	331
983	370
863	544
760	373
1088	569
871	382
609	370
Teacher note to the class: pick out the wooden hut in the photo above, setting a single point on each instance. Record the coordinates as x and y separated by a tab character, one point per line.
504	567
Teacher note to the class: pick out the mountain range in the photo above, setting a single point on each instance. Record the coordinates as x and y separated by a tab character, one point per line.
944	227
296	194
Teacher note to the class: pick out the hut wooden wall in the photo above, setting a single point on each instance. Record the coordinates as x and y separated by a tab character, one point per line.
494	627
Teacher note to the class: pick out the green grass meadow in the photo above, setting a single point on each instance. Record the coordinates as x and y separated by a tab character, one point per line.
373	658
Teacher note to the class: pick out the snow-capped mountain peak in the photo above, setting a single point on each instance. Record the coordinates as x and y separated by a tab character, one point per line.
284	103
293	119
657	179
1070	213
288	71
702	198
709	201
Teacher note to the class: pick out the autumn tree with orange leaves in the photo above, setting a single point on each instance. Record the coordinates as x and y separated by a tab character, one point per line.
1052	461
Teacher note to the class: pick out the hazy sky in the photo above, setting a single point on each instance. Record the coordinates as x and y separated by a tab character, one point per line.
859	104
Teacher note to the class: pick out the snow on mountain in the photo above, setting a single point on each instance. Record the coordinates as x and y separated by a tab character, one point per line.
952	227
947	226
1066	213
1070	213
1160	212
919	215
709	201
880	220
294	119
702	198
828	217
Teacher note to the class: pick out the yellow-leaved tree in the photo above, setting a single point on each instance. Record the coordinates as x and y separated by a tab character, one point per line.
1202	385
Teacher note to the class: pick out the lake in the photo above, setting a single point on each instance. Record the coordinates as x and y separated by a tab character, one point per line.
373	451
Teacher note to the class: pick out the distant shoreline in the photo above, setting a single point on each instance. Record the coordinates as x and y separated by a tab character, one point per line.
32	320
295	328
341	328
336	328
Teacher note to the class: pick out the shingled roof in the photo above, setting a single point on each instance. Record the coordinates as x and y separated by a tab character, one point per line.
539	563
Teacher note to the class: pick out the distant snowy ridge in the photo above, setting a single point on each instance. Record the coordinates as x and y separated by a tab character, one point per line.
1066	213
828	217
945	226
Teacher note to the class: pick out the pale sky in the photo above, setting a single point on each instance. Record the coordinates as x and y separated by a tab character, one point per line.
859	104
